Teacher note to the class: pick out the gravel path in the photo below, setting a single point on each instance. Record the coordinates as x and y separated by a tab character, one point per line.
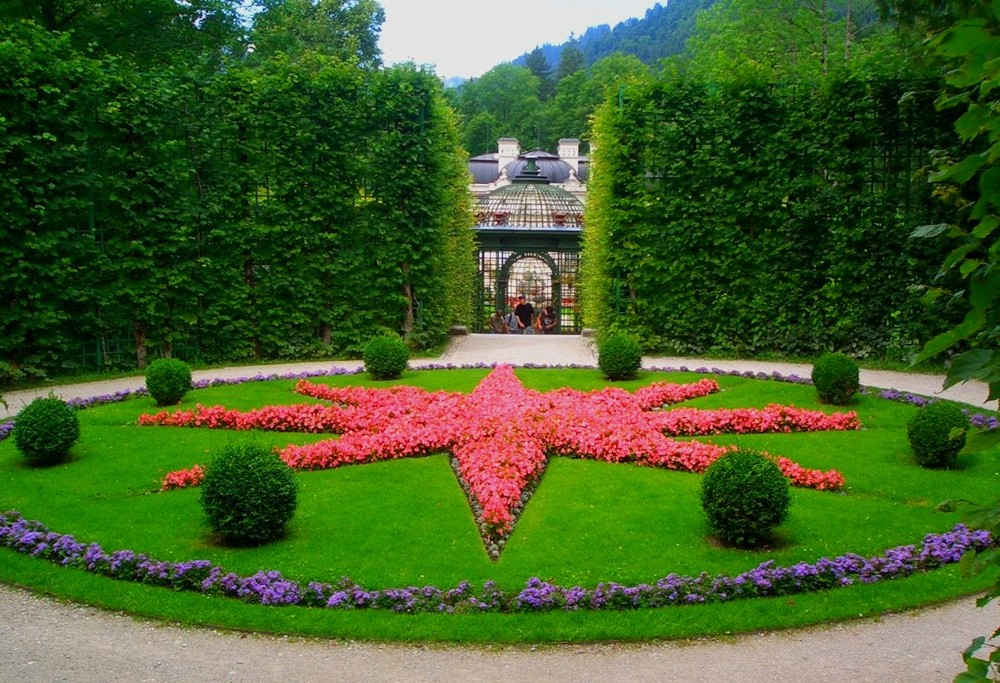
46	640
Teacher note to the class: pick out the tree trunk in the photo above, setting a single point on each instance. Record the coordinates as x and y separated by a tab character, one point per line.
140	344
824	37
252	305
410	318
848	33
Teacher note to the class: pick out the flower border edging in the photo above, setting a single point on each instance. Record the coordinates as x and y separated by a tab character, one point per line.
271	588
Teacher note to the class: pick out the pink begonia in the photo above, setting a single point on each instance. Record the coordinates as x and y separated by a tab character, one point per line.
502	433
181	479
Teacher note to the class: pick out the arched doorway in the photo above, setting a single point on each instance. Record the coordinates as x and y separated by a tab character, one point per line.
533	275
544	274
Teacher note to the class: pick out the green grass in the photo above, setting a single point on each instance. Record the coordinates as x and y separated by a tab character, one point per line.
407	522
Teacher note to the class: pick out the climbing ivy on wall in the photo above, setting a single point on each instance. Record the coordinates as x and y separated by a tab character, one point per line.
290	208
752	217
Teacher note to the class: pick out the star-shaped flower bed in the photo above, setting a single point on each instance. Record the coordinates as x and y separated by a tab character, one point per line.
501	435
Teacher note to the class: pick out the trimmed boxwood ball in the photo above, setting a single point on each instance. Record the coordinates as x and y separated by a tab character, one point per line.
46	430
745	496
167	380
937	434
836	378
386	357
248	494
619	356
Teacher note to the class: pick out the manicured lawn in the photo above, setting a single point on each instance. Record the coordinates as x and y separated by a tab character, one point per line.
407	522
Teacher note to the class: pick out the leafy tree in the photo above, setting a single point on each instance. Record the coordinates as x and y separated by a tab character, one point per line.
970	49
147	32
479	133
345	29
509	95
50	94
781	39
972	46
413	222
924	15
539	66
796	193
571	60
150	211
579	94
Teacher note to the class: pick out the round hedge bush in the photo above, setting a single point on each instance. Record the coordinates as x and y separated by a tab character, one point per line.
46	429
386	357
167	380
745	496
619	356
937	433
248	494
836	378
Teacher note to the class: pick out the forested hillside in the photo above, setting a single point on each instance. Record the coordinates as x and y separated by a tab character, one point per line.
553	91
662	32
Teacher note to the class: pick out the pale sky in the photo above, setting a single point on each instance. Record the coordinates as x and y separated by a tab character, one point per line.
467	38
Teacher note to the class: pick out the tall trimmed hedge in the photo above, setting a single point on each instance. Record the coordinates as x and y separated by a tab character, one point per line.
747	218
292	207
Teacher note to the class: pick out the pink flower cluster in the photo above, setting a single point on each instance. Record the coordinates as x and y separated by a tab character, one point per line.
502	433
773	419
181	479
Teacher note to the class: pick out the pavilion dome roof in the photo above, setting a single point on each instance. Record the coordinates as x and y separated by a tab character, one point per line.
529	201
550	165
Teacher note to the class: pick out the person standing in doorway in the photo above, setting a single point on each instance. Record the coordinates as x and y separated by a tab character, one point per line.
525	314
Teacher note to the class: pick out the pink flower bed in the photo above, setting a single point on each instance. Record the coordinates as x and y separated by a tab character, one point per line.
502	433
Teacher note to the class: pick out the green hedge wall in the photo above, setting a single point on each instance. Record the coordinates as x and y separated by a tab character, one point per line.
754	218
291	208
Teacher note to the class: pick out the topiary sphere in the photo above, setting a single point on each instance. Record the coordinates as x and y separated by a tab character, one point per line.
46	429
836	378
386	357
167	380
248	494
745	496
619	356
937	434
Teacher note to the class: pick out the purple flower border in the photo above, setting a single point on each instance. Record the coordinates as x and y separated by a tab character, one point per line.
983	421
271	588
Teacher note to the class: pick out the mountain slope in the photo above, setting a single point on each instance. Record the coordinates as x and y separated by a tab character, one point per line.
661	33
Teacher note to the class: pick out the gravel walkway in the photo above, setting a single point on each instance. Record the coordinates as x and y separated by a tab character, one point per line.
45	640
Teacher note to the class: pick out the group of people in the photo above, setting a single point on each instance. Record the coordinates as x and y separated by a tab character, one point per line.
523	320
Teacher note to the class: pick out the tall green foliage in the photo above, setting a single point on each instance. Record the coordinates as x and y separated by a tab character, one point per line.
782	39
309	164
285	206
745	218
49	96
969	48
149	208
973	46
412	222
509	96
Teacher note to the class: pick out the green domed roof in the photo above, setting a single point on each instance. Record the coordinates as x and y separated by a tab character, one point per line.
530	202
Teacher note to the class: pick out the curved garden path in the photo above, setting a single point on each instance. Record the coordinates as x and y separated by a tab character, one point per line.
45	640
